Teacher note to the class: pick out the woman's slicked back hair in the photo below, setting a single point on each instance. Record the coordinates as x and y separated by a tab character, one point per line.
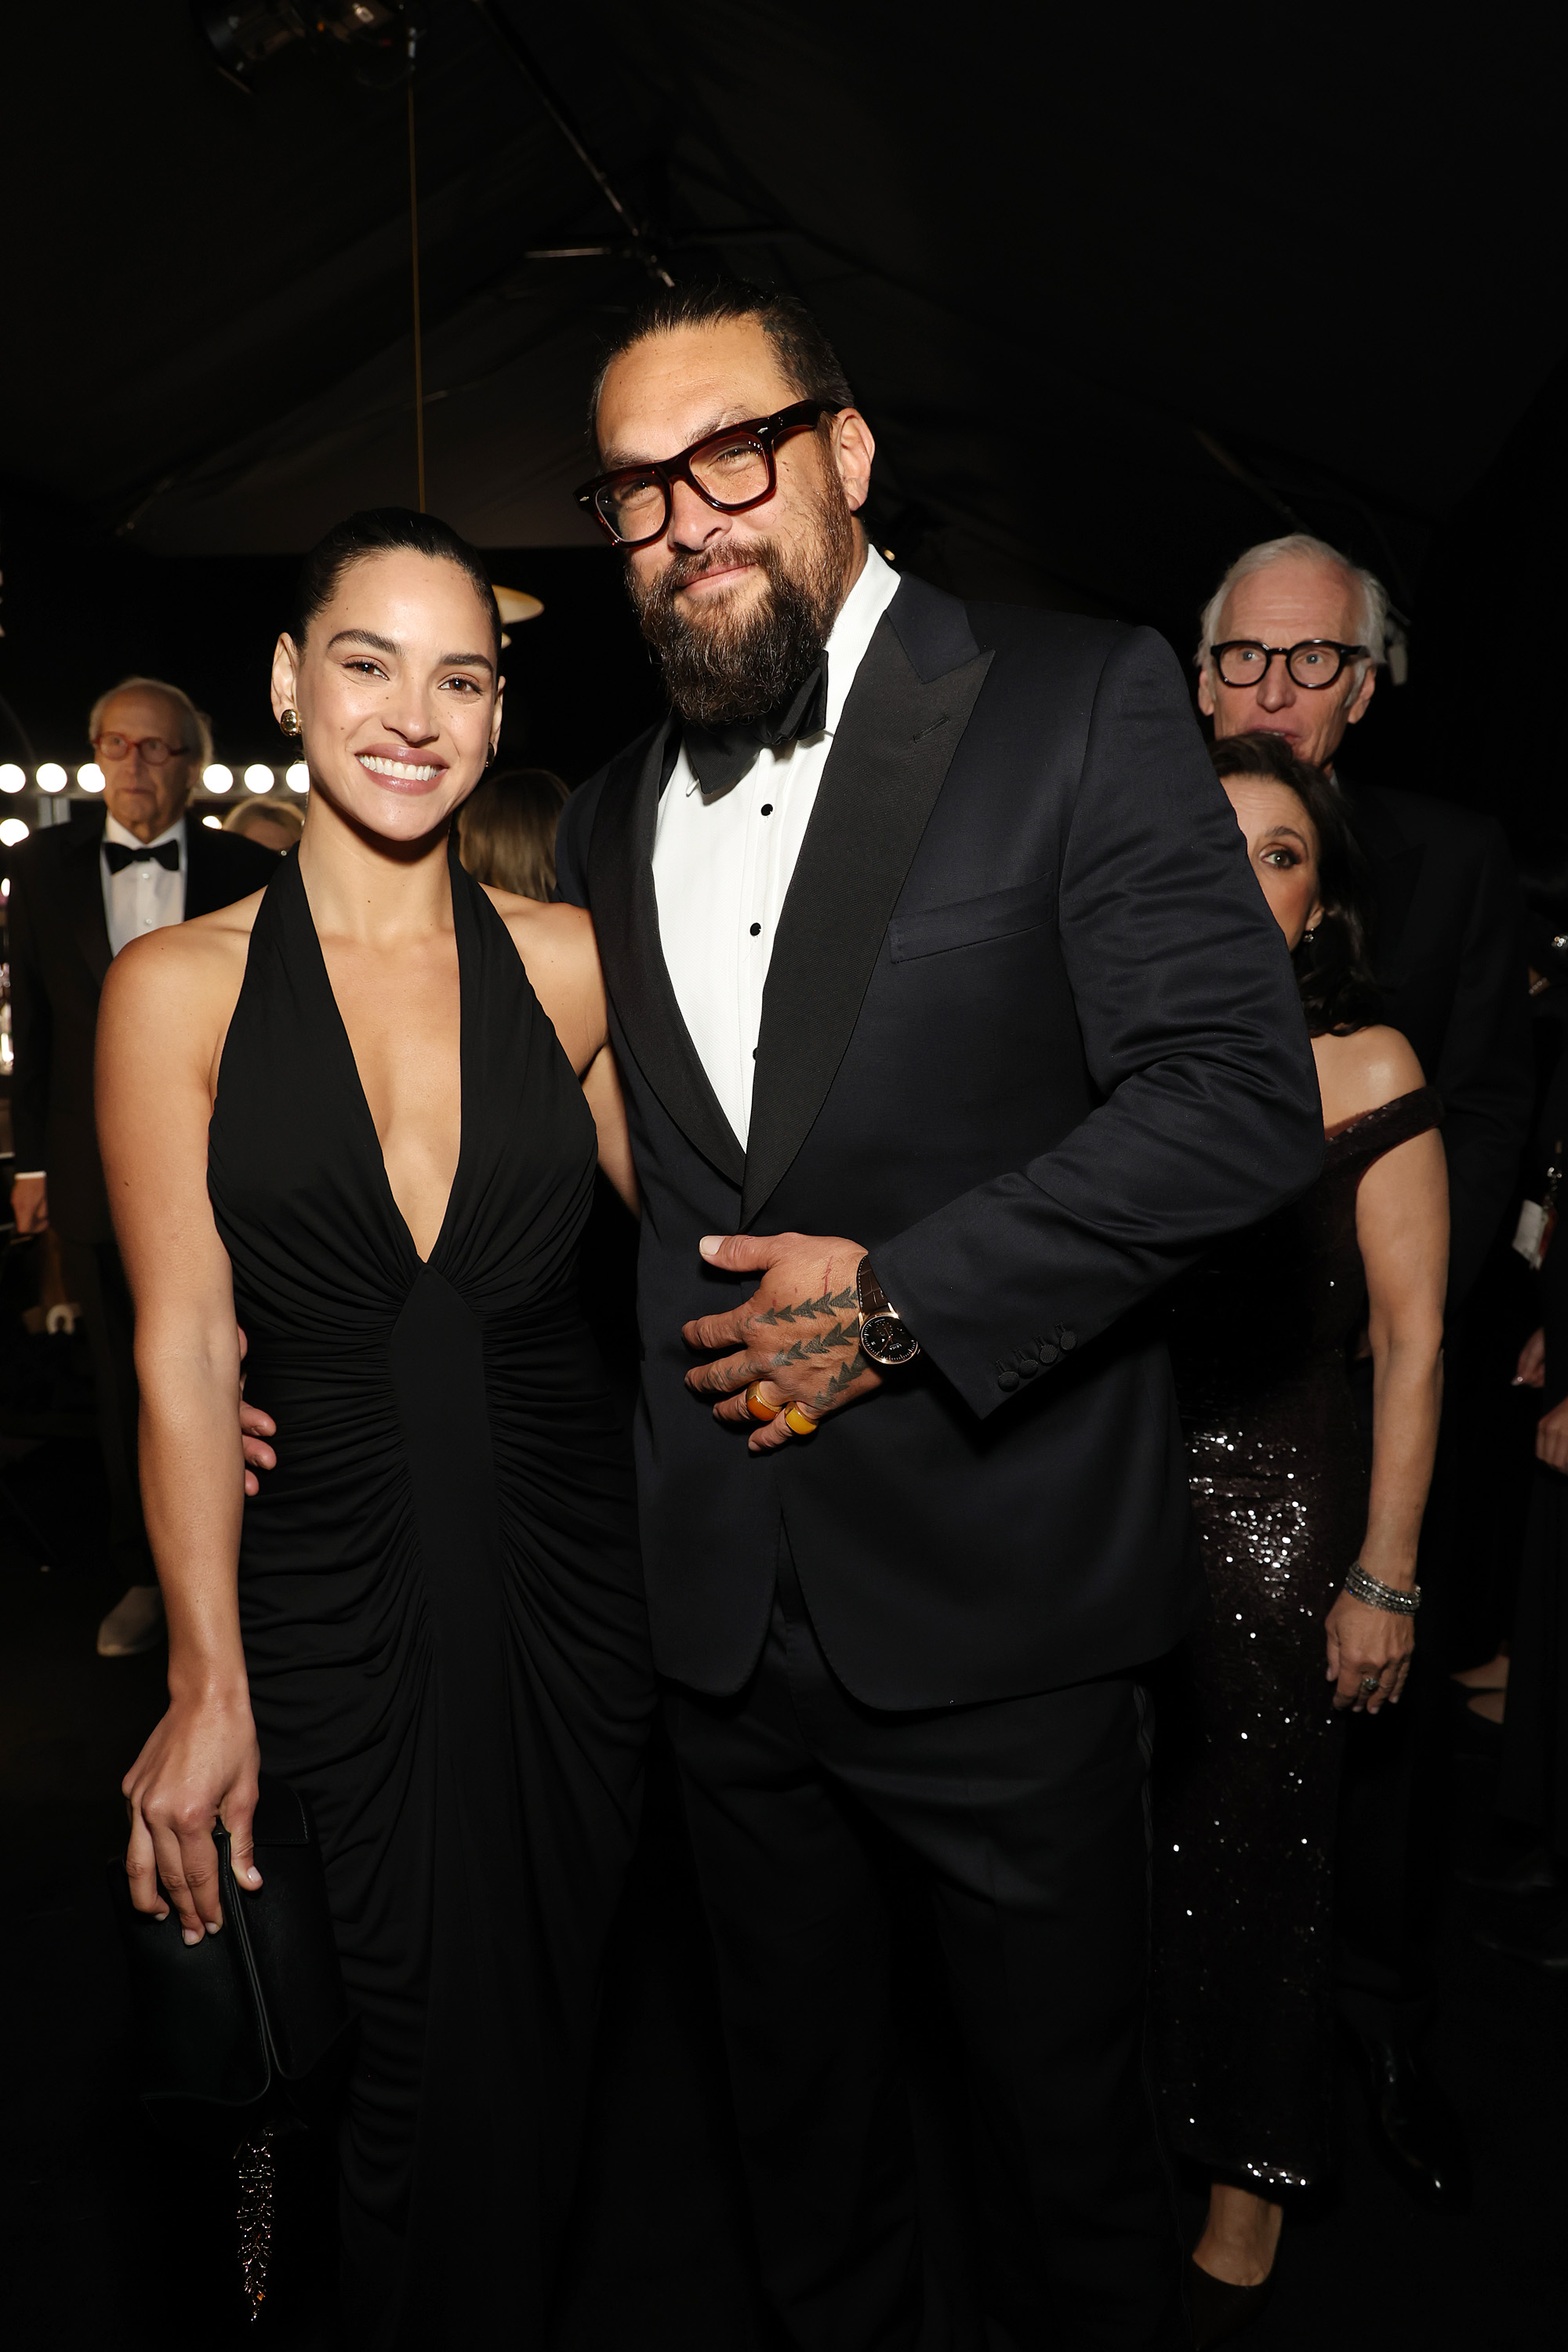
386	530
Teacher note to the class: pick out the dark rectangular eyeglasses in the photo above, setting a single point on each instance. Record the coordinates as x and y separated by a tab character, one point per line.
732	470
1315	662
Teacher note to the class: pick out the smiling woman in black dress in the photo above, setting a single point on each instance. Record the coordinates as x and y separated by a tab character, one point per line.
1247	1770
358	1111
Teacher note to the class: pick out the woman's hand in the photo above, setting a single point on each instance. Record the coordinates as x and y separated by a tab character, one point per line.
1552	1438
199	1766
1363	1643
1531	1373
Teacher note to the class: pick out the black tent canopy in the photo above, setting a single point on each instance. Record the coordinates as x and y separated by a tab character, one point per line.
1120	290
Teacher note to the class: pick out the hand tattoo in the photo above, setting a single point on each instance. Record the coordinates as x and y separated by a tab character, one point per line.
834	1302
838	1336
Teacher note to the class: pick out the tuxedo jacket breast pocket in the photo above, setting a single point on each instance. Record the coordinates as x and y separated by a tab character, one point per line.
971	922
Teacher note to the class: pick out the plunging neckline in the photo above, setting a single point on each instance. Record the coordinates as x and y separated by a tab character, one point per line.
364	1099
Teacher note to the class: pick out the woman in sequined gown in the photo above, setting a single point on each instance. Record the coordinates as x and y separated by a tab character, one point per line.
1248	1758
362	1108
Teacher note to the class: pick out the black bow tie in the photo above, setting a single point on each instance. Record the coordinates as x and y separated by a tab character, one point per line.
166	852
719	756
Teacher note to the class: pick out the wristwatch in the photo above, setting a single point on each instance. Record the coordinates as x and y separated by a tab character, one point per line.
884	1337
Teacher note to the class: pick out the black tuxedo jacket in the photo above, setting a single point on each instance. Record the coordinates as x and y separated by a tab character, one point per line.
1030	1034
1451	963
60	954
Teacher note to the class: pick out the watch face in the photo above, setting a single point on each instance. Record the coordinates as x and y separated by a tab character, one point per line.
884	1338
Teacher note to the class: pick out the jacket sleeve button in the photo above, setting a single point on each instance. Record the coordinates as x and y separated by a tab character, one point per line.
1006	1378
1065	1339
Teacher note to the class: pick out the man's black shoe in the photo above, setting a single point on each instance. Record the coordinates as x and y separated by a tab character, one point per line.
1415	2131
1540	1939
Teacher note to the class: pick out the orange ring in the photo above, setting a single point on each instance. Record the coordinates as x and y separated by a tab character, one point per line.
758	1406
801	1423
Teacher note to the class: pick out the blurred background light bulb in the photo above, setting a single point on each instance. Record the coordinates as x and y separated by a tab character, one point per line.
91	777
52	777
11	777
298	777
13	831
217	779
259	779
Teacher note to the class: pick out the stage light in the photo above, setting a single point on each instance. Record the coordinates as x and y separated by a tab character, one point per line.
11	833
90	778
11	777
214	823
52	777
298	777
217	779
259	779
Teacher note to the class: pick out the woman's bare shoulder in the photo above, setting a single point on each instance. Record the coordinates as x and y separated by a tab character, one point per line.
186	971
559	937
1363	1071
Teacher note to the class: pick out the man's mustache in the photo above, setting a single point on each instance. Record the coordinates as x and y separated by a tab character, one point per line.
686	567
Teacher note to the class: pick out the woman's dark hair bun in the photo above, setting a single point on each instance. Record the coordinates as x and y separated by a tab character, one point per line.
1334	970
384	531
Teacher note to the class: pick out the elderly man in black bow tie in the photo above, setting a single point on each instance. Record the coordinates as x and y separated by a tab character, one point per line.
79	893
952	1024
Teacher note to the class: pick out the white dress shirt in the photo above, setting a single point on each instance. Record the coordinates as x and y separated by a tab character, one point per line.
722	870
145	897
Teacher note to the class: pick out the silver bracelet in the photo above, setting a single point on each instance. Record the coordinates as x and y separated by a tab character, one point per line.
1362	1587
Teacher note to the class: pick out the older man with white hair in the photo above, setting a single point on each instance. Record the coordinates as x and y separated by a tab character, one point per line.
80	892
1292	644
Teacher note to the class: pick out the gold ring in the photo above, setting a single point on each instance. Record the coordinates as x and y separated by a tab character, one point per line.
800	1421
758	1406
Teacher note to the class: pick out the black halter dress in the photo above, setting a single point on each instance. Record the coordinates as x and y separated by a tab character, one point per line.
442	1609
1247	1767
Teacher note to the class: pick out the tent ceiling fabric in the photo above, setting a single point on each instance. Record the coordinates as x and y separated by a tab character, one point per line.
1114	302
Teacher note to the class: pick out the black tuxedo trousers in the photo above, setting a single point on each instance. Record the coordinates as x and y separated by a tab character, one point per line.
1029	1035
1025	1818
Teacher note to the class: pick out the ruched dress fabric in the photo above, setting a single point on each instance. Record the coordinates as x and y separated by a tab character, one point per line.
1248	1746
442	1608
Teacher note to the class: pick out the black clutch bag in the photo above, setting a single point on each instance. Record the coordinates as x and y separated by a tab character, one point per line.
247	2033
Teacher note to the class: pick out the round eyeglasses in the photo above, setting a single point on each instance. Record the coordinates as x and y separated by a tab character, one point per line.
154	751
730	471
1315	663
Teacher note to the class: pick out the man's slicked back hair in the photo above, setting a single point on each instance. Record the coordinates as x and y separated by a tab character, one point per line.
810	364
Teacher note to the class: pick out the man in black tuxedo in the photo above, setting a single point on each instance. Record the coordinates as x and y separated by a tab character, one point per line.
79	892
944	941
1451	965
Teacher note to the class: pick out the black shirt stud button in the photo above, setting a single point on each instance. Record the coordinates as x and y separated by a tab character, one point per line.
756	930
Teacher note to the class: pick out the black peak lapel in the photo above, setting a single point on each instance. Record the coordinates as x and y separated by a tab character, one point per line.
901	728
625	921
81	883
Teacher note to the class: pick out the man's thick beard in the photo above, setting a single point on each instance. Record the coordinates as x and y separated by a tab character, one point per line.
726	667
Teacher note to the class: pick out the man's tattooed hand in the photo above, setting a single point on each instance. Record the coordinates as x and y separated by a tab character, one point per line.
798	1334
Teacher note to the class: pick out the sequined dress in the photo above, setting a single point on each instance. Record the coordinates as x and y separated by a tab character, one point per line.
1248	1756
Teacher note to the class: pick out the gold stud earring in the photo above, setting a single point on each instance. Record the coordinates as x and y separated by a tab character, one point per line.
290	723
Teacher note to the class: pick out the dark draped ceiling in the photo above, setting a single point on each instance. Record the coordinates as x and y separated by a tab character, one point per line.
1119	289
